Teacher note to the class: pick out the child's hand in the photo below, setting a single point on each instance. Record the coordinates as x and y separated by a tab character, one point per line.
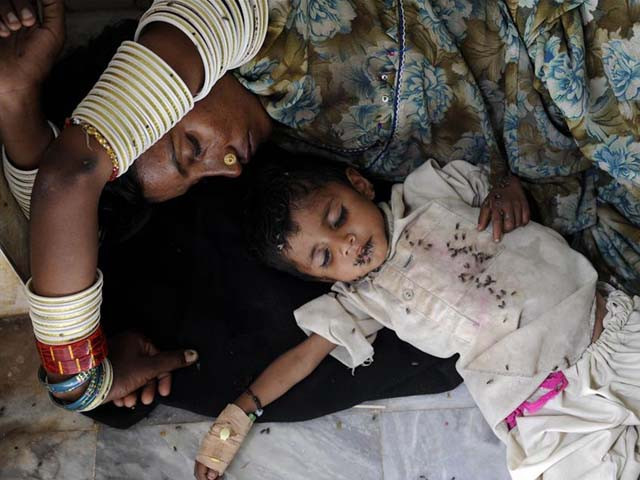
202	472
506	206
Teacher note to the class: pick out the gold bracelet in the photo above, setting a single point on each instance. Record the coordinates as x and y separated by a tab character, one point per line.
91	131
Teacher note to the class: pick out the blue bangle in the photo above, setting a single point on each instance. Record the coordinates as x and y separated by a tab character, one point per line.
89	395
66	385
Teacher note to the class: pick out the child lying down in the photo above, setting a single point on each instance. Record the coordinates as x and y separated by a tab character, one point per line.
562	393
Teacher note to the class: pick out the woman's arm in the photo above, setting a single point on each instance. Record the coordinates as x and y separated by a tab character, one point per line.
277	379
27	53
73	173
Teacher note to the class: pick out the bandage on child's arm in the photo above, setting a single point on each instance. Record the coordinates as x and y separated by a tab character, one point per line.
229	430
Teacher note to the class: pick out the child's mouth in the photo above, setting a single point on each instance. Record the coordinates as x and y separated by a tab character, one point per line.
364	257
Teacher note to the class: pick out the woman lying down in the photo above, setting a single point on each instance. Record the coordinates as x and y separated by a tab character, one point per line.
553	364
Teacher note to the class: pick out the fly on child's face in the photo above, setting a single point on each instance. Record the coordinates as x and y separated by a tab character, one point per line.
341	232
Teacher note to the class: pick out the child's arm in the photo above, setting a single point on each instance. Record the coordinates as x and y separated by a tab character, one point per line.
286	371
278	378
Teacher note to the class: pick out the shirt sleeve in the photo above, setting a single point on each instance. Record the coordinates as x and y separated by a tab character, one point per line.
339	320
457	179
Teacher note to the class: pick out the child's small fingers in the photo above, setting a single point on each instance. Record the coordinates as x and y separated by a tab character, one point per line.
517	214
200	471
508	218
4	30
496	221
526	213
483	218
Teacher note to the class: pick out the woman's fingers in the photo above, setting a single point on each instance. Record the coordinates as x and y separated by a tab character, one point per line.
9	16
118	402
4	30
148	392
131	400
25	12
164	384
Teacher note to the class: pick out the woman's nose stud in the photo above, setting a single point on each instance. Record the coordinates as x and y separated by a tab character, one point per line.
230	159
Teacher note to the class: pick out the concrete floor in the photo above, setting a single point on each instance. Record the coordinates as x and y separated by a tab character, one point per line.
434	437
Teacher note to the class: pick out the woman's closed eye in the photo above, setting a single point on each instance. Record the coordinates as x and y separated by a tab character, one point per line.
197	149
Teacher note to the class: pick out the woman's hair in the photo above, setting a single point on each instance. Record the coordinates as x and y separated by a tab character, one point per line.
123	209
280	183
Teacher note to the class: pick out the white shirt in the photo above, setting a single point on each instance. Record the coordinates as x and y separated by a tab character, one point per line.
514	310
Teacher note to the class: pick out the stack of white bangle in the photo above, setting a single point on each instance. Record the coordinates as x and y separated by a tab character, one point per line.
227	33
63	320
135	102
21	181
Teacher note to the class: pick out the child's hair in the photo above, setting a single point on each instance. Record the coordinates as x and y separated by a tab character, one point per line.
279	184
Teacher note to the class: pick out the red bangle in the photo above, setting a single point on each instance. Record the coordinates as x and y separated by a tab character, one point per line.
74	357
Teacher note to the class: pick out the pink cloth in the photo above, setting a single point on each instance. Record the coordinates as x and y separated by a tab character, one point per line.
555	383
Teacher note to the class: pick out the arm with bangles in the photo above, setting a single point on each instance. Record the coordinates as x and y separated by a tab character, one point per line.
72	174
277	379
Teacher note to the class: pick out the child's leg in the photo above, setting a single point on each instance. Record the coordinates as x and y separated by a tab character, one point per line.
590	430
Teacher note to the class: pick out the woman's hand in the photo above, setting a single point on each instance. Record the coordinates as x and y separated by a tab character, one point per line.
202	472
137	364
28	49
506	207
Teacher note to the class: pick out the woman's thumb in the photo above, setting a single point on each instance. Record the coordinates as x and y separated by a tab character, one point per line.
53	14
168	361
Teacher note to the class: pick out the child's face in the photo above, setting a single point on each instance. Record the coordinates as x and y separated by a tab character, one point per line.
341	234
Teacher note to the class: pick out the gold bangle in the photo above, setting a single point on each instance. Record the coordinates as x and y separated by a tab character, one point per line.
91	131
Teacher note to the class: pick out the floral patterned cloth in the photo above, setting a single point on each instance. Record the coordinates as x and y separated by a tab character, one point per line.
547	89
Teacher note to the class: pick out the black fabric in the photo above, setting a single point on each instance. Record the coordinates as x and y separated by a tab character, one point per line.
186	281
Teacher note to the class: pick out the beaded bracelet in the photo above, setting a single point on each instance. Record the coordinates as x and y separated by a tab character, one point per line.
256	401
96	392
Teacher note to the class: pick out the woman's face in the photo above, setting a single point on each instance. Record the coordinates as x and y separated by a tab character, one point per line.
228	120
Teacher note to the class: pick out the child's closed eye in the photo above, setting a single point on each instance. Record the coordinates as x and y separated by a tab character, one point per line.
326	258
342	217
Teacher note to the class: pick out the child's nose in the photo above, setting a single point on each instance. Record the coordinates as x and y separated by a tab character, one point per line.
349	244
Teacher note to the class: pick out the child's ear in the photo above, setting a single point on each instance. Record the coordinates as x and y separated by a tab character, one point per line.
361	184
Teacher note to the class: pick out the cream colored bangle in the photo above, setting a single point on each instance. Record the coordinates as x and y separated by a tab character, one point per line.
225	35
61	320
211	61
21	181
137	100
